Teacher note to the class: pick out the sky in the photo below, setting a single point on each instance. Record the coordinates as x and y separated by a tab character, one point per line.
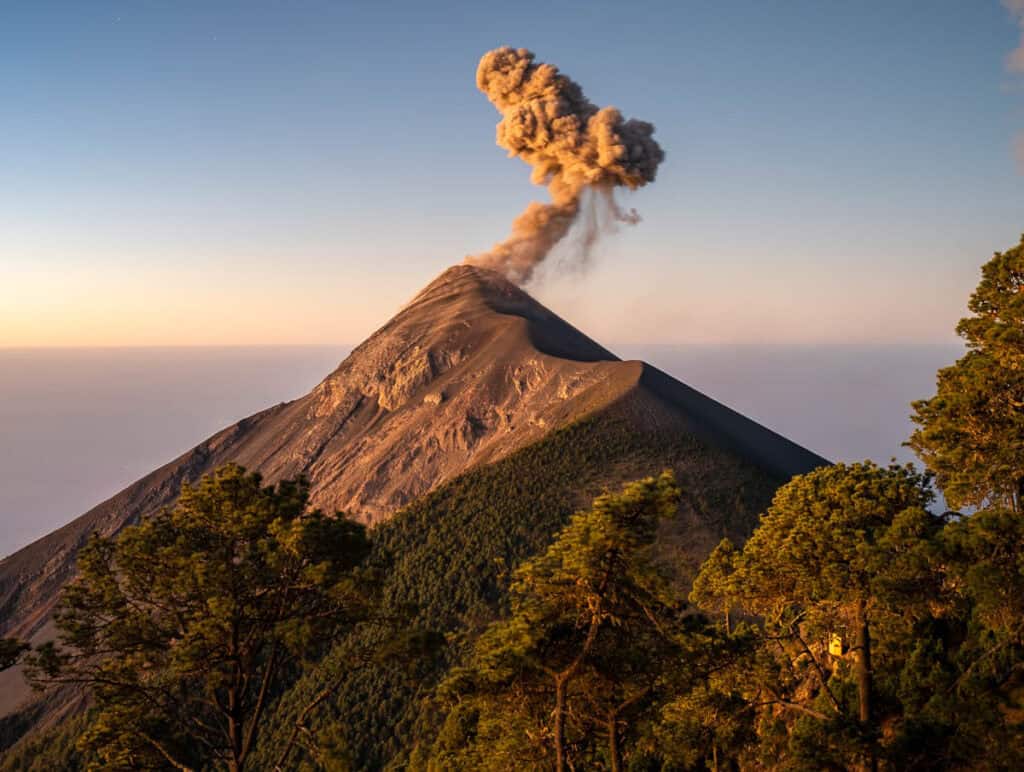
276	172
81	424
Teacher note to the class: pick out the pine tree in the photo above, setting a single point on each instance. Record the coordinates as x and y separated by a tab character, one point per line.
971	433
574	656
11	650
842	551
184	626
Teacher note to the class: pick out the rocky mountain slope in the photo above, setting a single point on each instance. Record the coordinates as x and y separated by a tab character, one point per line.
471	370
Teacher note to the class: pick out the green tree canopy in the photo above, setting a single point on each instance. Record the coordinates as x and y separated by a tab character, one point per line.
842	551
971	433
587	614
185	625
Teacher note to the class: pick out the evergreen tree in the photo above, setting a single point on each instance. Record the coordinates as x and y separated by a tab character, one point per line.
971	433
11	650
574	657
982	697
844	554
185	625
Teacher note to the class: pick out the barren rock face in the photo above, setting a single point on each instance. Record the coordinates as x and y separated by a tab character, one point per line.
469	371
459	377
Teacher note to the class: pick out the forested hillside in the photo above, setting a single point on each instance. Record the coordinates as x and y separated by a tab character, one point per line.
605	598
447	561
450	559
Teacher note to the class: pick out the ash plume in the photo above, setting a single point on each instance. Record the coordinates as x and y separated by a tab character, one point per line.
572	146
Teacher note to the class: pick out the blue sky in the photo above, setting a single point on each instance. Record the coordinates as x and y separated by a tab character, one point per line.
276	172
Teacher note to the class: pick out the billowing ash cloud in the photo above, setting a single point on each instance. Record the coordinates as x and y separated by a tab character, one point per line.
579	151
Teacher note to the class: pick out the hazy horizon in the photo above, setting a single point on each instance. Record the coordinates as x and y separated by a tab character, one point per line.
613	345
81	424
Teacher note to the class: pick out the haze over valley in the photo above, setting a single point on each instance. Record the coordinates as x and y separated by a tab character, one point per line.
96	419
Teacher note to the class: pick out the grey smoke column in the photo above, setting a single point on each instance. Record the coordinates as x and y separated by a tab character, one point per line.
572	146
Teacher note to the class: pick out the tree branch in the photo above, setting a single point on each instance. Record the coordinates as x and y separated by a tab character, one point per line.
163	752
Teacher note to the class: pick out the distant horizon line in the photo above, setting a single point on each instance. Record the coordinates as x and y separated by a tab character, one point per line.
709	344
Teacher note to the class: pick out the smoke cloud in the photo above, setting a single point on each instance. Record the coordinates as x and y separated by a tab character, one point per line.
579	151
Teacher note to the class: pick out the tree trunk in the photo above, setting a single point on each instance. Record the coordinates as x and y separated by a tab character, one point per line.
234	702
613	741
864	680
560	683
235	730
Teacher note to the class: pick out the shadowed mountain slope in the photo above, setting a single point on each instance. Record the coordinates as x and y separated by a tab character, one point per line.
470	371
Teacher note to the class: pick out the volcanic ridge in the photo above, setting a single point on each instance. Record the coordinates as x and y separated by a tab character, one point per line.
468	372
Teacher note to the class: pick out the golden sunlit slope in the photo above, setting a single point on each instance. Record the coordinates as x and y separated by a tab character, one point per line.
471	370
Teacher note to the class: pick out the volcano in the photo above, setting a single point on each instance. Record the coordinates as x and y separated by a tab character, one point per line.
469	372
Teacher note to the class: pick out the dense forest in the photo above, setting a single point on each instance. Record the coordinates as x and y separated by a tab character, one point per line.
541	613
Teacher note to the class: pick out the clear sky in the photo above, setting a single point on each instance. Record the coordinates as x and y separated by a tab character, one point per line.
279	172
